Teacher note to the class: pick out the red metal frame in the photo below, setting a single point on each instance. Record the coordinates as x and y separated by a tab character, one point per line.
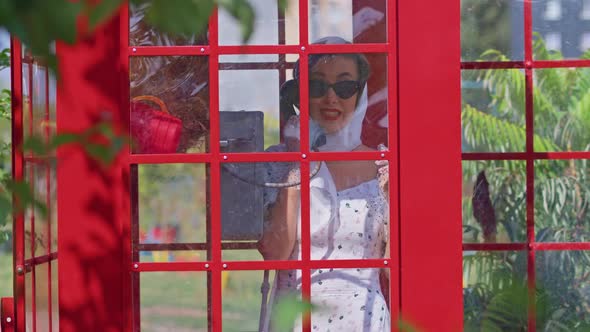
430	164
99	254
38	165
18	175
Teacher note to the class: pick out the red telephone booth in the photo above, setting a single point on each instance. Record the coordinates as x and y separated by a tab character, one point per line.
166	237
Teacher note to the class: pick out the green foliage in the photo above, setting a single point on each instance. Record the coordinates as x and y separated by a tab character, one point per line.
4	58
287	310
495	291
40	23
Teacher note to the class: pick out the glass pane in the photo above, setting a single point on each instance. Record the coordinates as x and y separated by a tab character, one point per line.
348	101
348	300
172	256
40	185
495	291
173	204
493	111
271	27
562	290
358	21
27	105
170	103
173	301
42	284
349	210
54	296
562	193
260	201
53	207
243	301
39	95
251	115
492	30
494	201
52	103
142	33
29	314
562	117
241	254
6	271
29	216
560	29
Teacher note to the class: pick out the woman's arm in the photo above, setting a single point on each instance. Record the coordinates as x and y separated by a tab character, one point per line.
280	232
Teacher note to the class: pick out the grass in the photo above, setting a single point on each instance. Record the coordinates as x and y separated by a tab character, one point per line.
177	301
5	274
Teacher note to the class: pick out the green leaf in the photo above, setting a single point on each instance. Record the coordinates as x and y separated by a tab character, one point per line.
287	310
65	138
36	145
283	4
5	208
99	152
242	11
180	17
102	11
4	58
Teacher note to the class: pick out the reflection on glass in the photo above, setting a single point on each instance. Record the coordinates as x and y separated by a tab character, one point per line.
492	113
40	191
54	296
494	201
249	113
173	301
271	27
562	119
563	291
53	207
495	291
27	104
42	284
170	104
29	314
349	216
352	20
349	300
172	203
29	215
142	33
243	301
562	195
39	99
558	27
492	25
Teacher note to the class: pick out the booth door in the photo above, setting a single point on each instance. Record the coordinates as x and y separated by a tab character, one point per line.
34	305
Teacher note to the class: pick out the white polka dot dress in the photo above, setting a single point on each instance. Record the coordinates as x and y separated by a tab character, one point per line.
347	299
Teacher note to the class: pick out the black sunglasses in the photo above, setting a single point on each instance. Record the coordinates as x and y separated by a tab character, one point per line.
343	89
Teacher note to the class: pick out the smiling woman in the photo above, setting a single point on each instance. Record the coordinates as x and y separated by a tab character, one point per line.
348	200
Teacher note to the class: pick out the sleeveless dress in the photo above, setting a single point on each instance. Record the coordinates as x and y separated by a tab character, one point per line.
346	299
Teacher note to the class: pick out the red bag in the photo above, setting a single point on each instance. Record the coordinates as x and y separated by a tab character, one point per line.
152	130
